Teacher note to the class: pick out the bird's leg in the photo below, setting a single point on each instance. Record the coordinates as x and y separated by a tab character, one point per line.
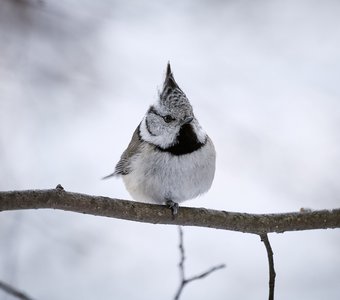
173	206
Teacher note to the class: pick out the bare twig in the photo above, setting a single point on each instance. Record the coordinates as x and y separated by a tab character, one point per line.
272	274
206	273
181	264
150	213
13	291
185	281
182	253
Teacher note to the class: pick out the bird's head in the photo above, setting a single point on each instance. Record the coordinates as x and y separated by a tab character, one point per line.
163	121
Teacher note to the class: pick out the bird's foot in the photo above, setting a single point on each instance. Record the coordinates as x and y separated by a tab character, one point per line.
173	206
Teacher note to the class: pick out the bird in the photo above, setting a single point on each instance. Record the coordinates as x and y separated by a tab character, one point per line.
170	158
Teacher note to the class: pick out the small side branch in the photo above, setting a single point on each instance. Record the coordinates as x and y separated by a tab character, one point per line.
13	291
272	274
185	281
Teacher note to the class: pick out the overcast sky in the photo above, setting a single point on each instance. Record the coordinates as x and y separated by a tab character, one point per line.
76	78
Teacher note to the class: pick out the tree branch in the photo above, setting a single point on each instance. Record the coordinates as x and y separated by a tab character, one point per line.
159	214
272	274
13	291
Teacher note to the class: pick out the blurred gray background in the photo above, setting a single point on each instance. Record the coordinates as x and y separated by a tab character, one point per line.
76	77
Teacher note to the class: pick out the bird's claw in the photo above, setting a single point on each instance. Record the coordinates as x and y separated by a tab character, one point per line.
173	206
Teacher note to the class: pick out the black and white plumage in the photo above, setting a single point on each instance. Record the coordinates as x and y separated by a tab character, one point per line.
170	158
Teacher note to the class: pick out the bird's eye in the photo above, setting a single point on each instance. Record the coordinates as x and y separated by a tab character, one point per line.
168	118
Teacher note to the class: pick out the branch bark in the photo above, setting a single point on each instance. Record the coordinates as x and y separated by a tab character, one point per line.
159	214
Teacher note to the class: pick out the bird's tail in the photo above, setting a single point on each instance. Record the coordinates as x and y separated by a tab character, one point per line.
109	176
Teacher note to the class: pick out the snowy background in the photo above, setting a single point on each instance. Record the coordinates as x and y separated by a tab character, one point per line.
76	77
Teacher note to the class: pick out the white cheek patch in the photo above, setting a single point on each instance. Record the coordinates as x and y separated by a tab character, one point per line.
200	133
164	140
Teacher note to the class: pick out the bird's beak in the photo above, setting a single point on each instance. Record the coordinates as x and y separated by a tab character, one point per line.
187	120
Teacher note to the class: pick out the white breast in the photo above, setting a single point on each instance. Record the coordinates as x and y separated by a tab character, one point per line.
159	176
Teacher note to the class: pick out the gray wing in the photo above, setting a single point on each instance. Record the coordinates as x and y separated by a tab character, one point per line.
123	166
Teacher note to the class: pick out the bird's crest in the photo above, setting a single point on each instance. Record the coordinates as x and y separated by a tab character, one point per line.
170	85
